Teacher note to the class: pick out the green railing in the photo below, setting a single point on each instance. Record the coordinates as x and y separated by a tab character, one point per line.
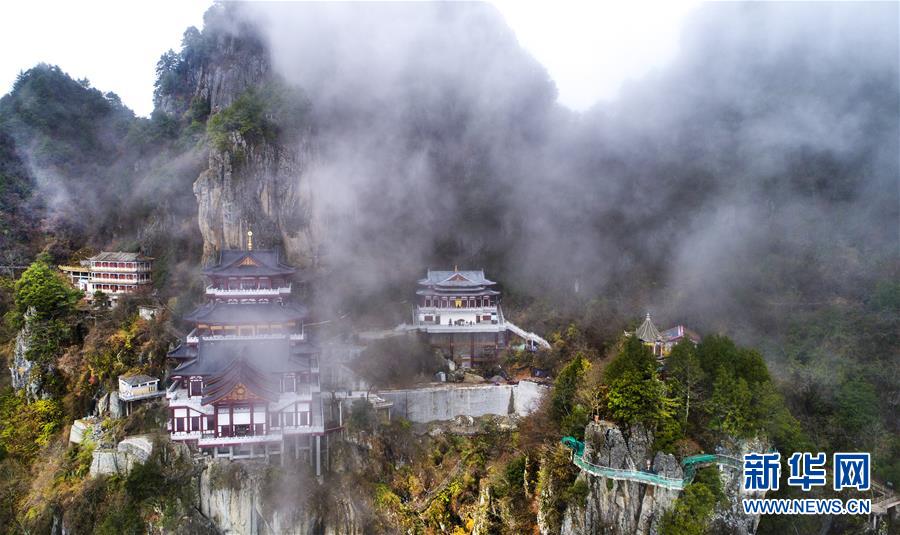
689	465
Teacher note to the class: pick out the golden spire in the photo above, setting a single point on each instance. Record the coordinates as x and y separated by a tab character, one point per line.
456	267
249	240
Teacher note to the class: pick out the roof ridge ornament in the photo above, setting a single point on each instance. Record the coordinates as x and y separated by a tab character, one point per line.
249	240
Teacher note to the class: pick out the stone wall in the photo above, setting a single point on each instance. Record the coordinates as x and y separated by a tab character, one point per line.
444	402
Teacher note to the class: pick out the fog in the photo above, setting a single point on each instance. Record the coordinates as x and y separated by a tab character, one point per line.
761	163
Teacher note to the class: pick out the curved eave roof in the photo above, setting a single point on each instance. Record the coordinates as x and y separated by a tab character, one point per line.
647	332
183	351
248	264
275	356
231	313
456	279
239	372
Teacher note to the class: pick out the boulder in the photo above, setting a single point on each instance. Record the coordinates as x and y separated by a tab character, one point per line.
103	405
139	446
115	406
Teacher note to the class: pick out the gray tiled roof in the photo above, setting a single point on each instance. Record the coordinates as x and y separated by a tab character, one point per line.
266	262
647	332
267	355
456	278
216	312
119	256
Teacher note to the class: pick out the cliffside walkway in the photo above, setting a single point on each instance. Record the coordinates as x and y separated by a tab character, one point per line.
886	498
532	340
688	464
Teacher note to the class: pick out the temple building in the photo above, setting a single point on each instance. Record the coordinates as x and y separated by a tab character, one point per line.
247	380
662	342
460	313
113	273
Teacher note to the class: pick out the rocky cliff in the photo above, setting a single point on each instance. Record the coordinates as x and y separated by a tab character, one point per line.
626	507
251	182
236	498
257	186
622	506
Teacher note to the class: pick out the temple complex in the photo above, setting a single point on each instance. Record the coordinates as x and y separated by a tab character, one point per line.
460	313
113	273
662	342
247	380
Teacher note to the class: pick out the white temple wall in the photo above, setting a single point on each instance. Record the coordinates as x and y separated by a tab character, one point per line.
445	402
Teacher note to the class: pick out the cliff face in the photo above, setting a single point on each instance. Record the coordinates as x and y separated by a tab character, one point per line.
622	506
238	505
625	507
250	182
258	186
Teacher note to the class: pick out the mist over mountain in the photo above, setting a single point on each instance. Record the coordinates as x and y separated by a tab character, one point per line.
751	187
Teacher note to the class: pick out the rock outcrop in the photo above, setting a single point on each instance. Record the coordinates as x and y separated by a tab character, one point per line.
234	503
627	507
258	186
622	506
20	369
729	517
121	459
26	374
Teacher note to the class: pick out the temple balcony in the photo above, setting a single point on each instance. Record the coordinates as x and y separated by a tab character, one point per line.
146	269
111	280
248	292
451	310
472	328
194	338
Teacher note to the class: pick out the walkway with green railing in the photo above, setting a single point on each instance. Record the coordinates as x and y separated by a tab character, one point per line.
688	464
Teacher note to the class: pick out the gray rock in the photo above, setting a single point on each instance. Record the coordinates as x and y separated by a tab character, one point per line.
139	446
103	405
667	465
115	406
110	461
22	371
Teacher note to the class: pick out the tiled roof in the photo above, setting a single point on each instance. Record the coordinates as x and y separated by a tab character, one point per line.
456	278
255	263
219	313
119	256
242	372
275	356
647	332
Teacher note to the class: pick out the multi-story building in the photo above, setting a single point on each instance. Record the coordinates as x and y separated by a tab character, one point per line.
247	380
460	313
113	273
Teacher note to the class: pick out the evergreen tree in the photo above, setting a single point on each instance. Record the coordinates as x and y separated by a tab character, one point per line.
683	366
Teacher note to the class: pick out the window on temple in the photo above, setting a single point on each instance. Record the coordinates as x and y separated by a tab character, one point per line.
289	383
195	387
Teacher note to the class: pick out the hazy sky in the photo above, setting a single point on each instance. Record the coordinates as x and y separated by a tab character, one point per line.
589	48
